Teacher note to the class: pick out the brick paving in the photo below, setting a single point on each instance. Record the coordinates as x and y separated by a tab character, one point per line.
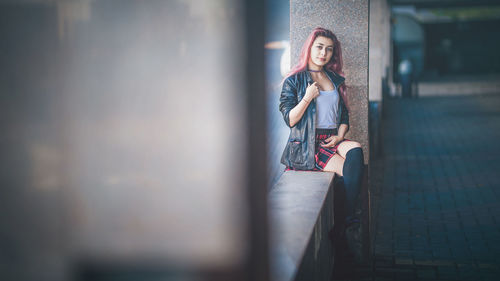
436	191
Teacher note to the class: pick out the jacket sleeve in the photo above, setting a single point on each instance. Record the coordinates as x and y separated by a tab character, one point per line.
288	99
344	117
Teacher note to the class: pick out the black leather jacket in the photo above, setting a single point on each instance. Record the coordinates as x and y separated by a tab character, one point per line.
299	150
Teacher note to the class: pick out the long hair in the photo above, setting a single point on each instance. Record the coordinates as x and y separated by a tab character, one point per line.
335	64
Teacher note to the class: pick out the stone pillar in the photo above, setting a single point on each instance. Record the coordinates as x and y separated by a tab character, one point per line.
376	70
390	51
379	59
386	39
380	39
349	21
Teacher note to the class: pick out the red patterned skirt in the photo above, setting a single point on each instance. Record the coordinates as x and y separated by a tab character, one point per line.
322	154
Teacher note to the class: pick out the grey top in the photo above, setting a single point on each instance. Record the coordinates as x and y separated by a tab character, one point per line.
327	105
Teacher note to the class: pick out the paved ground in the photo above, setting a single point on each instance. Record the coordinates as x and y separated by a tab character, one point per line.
436	198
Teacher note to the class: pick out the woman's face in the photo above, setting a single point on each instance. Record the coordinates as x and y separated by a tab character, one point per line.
321	51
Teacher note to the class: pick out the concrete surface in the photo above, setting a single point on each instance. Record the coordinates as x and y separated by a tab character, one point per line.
301	209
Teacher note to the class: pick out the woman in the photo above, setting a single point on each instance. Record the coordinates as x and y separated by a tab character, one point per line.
313	104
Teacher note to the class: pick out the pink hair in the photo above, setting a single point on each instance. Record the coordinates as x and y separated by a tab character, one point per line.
335	64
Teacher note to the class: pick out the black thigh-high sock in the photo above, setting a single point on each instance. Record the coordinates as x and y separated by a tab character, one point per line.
353	173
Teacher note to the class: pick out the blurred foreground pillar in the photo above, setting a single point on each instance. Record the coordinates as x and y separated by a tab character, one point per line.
133	141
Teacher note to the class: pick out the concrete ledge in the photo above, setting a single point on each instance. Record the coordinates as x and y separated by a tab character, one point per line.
301	209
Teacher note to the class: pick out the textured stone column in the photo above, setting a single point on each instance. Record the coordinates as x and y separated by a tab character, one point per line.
349	21
379	47
379	61
386	38
376	70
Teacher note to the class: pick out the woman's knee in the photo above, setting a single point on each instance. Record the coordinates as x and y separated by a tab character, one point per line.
354	144
346	146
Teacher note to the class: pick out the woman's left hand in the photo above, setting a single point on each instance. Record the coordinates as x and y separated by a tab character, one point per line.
332	141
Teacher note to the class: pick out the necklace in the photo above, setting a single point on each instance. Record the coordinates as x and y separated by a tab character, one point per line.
310	70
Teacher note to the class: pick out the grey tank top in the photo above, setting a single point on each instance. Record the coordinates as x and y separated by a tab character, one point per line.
327	104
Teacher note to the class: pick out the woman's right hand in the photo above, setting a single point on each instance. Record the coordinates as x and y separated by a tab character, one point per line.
312	91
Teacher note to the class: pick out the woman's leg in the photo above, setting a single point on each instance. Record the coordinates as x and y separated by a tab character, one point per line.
352	171
335	164
345	146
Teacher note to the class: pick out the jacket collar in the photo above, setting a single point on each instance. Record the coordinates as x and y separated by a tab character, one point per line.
337	80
